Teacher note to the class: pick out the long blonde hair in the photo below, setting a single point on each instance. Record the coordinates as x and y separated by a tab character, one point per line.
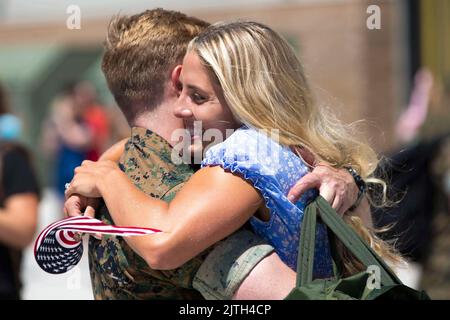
265	87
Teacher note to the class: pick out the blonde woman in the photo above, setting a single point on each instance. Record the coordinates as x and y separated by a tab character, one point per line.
241	76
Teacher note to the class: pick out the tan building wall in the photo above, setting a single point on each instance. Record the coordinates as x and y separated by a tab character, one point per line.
359	72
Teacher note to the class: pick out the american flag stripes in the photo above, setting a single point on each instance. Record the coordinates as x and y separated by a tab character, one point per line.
58	248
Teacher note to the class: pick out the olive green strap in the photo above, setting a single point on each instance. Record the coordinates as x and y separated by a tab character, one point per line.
350	239
305	259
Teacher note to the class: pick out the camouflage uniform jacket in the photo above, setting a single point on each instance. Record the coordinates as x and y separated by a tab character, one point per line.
117	272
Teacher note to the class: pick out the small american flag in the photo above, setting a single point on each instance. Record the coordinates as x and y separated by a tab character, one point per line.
58	248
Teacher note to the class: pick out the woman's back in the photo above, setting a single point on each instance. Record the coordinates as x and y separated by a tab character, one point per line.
273	169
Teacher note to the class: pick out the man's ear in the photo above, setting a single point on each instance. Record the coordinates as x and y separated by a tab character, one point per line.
175	79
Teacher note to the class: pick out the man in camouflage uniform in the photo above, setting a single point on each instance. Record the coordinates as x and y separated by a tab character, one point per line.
118	272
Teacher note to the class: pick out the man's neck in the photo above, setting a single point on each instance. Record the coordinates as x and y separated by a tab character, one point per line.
161	121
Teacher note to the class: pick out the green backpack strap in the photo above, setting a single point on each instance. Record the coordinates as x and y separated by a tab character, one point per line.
350	239
353	242
305	259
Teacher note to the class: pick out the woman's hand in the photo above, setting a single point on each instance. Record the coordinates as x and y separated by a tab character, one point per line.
89	177
76	205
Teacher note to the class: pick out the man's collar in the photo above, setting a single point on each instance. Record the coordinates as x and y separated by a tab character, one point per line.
140	133
149	144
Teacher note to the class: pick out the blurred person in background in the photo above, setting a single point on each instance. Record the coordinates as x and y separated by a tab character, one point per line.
78	129
67	137
436	268
95	117
418	169
19	198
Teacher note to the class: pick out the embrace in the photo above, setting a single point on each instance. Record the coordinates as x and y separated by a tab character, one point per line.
230	220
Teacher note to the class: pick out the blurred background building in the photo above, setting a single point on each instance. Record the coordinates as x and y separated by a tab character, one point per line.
361	73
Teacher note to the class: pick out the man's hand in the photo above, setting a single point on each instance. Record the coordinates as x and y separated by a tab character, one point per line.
337	186
88	177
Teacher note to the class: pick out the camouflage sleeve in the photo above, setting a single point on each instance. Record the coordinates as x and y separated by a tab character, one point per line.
169	195
219	271
229	263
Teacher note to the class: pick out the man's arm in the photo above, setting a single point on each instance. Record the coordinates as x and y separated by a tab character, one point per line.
271	279
243	267
337	186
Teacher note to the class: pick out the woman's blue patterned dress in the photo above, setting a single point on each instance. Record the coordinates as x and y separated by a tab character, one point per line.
273	169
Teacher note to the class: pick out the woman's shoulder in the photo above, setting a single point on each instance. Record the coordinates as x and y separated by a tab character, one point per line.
246	139
247	148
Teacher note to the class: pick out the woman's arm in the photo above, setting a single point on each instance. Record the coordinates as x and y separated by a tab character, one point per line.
114	152
210	206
